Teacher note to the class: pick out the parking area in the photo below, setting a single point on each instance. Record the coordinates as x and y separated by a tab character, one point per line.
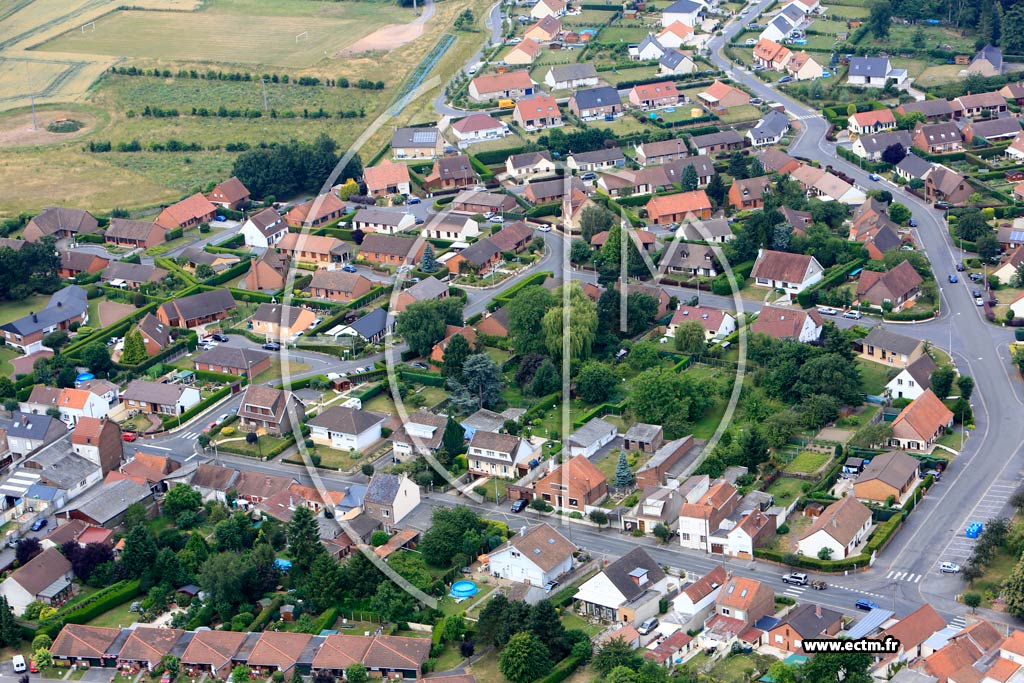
991	506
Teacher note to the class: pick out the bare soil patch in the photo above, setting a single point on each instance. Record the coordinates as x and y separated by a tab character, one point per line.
112	311
386	38
16	130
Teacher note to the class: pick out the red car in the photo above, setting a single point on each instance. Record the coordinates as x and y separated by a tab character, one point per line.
209	427
32	668
166	678
129	436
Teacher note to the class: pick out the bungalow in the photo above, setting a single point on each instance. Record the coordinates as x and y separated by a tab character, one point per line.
390	250
803	67
805	622
575	485
548	8
676	63
479	201
913	380
278	322
451	173
992	130
720	96
717	323
74	263
230	194
280	651
421	431
776	161
544	31
210	652
451	331
47	578
146	646
318	250
158	398
387	221
498	455
194	257
841	529
798	220
655	95
921	423
888	474
650	153
874	72
794	324
478	128
389	498
511	85
1013	91
686	12
987	62
596	160
748	193
417	143
712	143
981	104
792	273
872	146
933	111
452	226
678	208
133	234
196	309
647	50
371	328
591	437
268	409
534	556
771	55
913	167
701	164
529	164
943	184
769	130
264	229
937	138
571	76
316	212
187	213
88	645
233	360
155	335
876	121
428	289
647	241
628	182
626	591
898	286
346	429
514	237
387	179
268	272
60	223
543	191
524	53
65	307
1007	268
125	275
478	258
675	35
495	324
890	348
596	103
1016	148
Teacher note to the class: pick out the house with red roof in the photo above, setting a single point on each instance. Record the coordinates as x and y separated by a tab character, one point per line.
187	213
870	122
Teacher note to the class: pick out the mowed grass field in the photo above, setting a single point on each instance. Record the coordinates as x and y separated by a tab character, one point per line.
236	31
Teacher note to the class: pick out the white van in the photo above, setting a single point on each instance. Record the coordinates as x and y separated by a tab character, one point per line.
19	664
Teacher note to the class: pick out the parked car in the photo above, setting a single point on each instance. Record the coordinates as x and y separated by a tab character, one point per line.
827	310
349	268
272	346
413	200
129	436
40	523
912	223
795	578
421	366
866	605
978	301
874	176
976	277
220	337
756	100
942	205
550	586
518	506
588	176
786	79
32	668
209	428
223	417
751	41
853	315
949	568
960	267
647	626
544	228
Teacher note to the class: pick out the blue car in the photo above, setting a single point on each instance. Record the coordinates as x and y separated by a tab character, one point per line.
349	268
953	279
414	200
39	524
875	176
866	605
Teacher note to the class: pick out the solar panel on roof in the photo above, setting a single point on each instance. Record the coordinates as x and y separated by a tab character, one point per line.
1017	235
422	136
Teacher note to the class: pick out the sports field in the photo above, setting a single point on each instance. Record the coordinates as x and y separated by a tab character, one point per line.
284	33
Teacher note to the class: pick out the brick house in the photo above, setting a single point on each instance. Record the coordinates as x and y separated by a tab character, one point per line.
188	213
316	212
390	250
337	285
267	408
230	194
573	485
133	234
676	208
451	173
196	309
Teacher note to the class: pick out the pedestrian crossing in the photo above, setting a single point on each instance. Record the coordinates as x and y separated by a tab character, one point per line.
806	117
904	576
959	623
794	591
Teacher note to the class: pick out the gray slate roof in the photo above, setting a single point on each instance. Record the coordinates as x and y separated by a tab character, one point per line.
371	324
346	420
64	305
869	67
573	72
153	392
383	488
410	138
772	126
810	621
231	357
672	59
915	166
591	432
991	53
681	7
618	572
879	142
890	341
921	370
604	96
110	500
725	137
427	288
611	154
34	427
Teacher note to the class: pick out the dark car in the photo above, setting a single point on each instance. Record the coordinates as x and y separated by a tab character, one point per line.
421	366
39	524
519	505
912	223
942	205
220	337
349	268
960	267
272	346
866	605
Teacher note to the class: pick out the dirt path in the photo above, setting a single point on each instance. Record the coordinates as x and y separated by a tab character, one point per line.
393	35
111	312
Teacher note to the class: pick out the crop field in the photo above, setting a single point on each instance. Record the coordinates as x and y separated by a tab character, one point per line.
20	77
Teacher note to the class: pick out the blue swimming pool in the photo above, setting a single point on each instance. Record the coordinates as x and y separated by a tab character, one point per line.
464	589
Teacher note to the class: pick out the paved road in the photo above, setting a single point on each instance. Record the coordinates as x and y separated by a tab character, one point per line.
495	23
993	455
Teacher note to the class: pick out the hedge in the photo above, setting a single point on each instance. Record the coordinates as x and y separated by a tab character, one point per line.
370	392
541	406
230	274
562	670
174	420
813	563
599	411
481	168
535	279
169	265
497	156
263	618
833	276
268	453
913	314
96	604
430	379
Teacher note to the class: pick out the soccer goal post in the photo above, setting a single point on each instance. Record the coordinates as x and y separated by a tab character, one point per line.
302	36
90	26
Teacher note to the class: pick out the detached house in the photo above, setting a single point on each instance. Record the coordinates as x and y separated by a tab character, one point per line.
571	76
922	423
897	286
544	31
196	309
316	212
188	213
264	229
574	485
805	622
595	103
888	474
769	130
686	12
389	498
548	8
417	143
74	263
478	128
390	250
771	55
346	429
386	179
869	122
65	307
597	160
535	556
655	95
932	110
871	146
942	184
278	322
748	193
387	221
676	63
692	260
803	67
511	85
779	322
522	167
524	53
230	194
937	138
268	272
722	96
318	250
913	380
591	437
626	591
842	528
717	323
498	455
874	72
337	285
60	223
890	348
678	208
745	600
791	273
422	431
713	143
47	577
268	409
981	104
650	153
133	234
158	398
451	173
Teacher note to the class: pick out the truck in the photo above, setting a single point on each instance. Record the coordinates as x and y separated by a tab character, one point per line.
796	579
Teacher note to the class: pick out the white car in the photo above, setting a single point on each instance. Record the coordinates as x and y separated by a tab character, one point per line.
978	301
853	315
497	219
544	228
949	568
827	310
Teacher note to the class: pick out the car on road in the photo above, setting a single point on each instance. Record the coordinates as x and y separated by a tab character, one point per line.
648	626
32	668
272	346
544	228
827	310
874	176
413	200
976	294
349	268
18	661
796	579
421	366
785	79
220	337
866	605
518	506
129	436
943	205
39	523
514	41
978	301
853	315
949	568
223	417
209	428
497	219
420	221
912	223
953	279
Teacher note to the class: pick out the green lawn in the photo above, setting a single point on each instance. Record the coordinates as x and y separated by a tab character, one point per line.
622	34
381	403
12	310
786	490
6	354
116	617
265	444
807	462
449	606
875	375
274	371
571	620
735	669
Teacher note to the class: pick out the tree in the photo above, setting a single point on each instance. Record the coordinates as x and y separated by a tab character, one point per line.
455	355
545	380
580	251
662	532
356	673
690	180
942	380
134	351
303	539
42	658
85	560
739	167
26	549
872	436
660	396
880	18
817	410
716	190
753	448
613	653
595	219
596	382
582	324
894	153
841	667
423	323
285	169
972	600
623	475
171	664
780	672
491	618
690	338
547	627
965	383
428	264
56	340
391	602
899	213
987	246
524	659
135	515
453	531
7	388
972	225
825	553
139	552
224	577
96	357
598	517
41	642
240	674
181	498
10	631
204	271
644	355
525	313
379	538
480	386
621	674
453	440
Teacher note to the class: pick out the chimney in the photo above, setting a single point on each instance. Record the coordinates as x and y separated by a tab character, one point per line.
34	318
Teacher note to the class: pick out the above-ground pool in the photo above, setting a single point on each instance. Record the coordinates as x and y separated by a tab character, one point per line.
464	589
